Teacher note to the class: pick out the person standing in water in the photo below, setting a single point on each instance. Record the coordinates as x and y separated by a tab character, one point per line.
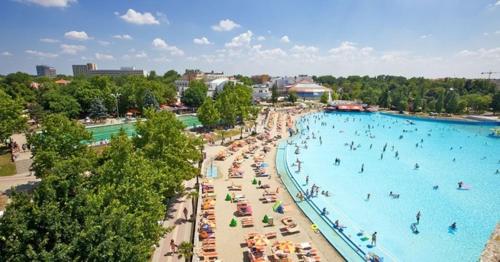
368	197
374	238
418	217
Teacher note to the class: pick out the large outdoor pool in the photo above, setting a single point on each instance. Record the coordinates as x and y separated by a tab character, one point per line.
446	154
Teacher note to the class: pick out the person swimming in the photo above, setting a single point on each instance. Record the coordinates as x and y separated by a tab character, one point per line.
460	184
453	226
436	187
417	166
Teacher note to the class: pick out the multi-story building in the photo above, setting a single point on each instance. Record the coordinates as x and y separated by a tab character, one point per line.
210	76
44	70
82	70
216	85
262	91
90	69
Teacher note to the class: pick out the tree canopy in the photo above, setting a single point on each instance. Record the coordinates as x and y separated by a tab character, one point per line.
104	207
196	94
11	117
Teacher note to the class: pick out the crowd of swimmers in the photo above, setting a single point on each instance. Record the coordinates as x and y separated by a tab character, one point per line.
314	190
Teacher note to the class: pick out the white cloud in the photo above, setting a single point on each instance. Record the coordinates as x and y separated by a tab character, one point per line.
285	39
261	38
49	40
344	47
240	40
491	54
50	3
141	54
41	54
139	18
160	44
425	36
77	35
304	49
497	3
72	49
201	41
123	37
162	17
100	56
103	43
6	53
225	25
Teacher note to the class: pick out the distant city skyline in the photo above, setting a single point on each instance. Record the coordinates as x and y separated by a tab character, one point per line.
448	38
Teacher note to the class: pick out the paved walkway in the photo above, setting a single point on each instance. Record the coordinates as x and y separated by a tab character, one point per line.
181	227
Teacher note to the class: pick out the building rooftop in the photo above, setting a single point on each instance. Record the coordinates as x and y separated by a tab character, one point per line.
307	86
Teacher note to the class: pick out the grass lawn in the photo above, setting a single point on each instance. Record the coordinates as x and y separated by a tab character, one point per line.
7	167
227	133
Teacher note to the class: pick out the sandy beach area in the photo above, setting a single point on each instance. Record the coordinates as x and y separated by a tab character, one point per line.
297	241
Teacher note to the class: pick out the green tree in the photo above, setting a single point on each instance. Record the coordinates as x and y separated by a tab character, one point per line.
150	101
97	110
208	114
195	95
451	102
55	102
495	103
324	98
162	140
440	102
274	93
292	97
59	139
11	116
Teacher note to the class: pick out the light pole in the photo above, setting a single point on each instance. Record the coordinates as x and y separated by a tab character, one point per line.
116	95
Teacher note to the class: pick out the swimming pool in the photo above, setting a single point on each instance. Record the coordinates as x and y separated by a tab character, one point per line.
100	133
446	154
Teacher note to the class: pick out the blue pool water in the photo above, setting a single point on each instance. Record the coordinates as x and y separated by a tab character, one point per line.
212	171
477	157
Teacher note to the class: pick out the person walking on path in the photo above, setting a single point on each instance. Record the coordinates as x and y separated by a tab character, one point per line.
173	246
185	211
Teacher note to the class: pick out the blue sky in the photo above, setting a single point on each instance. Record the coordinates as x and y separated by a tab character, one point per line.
281	37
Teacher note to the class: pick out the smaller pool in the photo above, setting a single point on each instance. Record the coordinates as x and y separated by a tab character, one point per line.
101	133
212	171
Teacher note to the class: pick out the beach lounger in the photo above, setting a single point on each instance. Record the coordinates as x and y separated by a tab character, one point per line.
247	222
268	199
234	188
290	230
270	235
264	186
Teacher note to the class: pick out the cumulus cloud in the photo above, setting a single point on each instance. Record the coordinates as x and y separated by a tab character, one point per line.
138	18
201	41
285	39
492	53
240	40
72	49
160	44
50	3
77	35
100	56
123	37
261	38
225	25
41	54
49	40
6	53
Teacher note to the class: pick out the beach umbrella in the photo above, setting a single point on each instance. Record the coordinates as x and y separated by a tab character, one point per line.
265	220
276	205
264	165
233	222
228	197
254	181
